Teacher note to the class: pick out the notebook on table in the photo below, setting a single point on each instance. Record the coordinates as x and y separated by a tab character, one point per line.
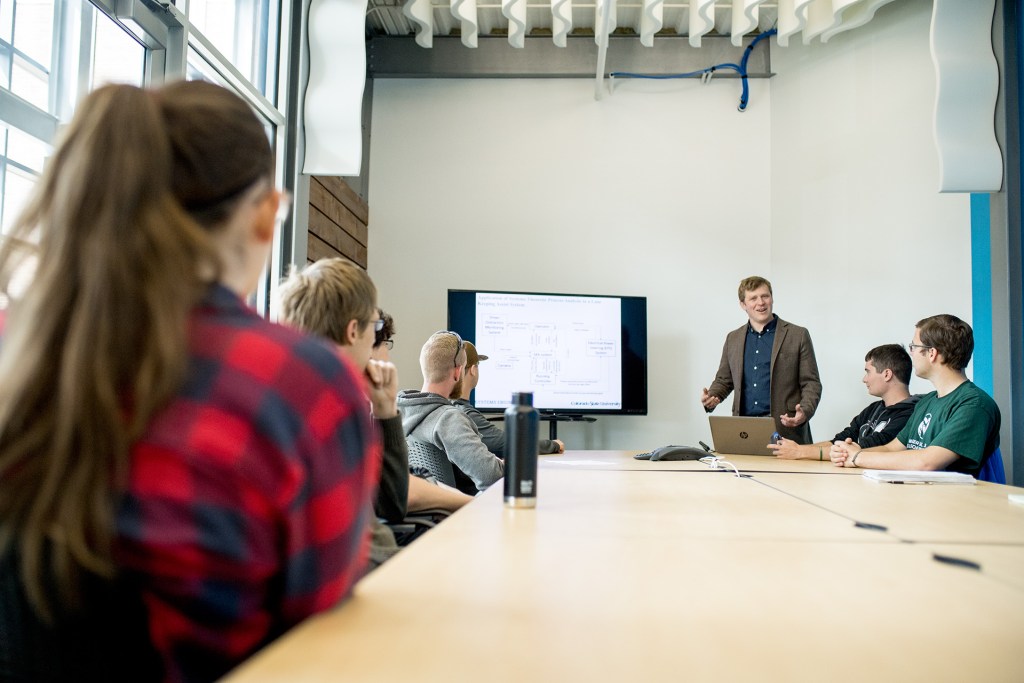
734	435
915	477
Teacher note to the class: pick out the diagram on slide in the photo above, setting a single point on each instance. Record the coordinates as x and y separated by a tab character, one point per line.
565	349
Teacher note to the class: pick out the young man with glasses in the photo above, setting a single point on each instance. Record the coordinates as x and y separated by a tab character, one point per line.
337	300
887	371
429	416
383	342
423	494
952	428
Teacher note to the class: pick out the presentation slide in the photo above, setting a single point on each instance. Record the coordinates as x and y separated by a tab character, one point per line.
565	349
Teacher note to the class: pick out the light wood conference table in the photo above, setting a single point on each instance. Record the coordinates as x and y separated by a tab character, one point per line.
666	575
922	513
623	460
1002	563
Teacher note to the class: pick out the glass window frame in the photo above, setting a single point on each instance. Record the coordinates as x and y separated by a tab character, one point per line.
167	36
230	76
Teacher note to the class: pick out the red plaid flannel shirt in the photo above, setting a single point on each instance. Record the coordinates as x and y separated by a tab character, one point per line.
248	499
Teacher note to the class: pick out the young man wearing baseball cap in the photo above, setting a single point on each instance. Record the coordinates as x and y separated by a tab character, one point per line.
493	437
428	415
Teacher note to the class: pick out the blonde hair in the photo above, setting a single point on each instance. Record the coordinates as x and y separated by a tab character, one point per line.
97	342
438	356
325	296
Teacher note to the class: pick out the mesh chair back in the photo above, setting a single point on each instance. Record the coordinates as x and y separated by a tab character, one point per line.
432	458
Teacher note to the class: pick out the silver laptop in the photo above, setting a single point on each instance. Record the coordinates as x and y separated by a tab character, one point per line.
741	435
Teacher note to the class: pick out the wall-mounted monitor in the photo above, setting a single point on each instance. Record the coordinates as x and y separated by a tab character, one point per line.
578	353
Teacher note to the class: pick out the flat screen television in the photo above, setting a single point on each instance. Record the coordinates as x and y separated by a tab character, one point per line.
579	354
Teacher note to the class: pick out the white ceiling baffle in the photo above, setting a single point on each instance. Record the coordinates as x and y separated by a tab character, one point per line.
561	21
515	12
334	94
792	19
822	15
645	20
854	17
744	19
421	14
702	19
652	18
967	79
465	12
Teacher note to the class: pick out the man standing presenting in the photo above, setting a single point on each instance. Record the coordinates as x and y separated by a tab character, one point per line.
771	365
954	427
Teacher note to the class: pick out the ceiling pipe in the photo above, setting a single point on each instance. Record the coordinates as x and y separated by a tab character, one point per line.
604	9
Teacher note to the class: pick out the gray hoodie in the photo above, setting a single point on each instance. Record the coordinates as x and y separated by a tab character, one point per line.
432	418
494	436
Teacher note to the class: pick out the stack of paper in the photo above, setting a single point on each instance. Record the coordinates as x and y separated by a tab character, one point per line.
915	477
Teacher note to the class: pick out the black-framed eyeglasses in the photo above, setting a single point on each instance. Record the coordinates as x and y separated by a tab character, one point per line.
455	361
913	346
387	344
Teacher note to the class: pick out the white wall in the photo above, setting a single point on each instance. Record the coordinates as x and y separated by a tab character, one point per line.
825	185
863	246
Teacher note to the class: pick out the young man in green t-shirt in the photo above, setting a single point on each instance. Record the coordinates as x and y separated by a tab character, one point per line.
952	428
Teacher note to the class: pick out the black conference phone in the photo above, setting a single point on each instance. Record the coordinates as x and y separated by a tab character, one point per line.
673	453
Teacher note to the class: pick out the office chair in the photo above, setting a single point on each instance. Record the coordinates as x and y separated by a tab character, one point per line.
424	455
416	524
107	640
992	468
432	458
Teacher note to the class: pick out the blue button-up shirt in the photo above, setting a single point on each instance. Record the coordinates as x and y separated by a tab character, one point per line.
757	370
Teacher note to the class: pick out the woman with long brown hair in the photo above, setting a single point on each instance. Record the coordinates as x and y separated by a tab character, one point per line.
155	434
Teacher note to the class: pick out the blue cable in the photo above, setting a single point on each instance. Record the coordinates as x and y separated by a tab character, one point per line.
740	68
743	65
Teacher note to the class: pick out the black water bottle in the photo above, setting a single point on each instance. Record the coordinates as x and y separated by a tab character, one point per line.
521	432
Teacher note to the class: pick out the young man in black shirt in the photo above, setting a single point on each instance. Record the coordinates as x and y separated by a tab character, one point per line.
887	371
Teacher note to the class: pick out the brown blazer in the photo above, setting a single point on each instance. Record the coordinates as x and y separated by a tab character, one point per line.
794	376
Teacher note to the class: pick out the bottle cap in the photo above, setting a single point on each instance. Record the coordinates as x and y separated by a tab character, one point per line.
522	398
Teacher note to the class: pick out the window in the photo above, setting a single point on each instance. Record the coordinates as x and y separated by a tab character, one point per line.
117	56
52	52
26	41
245	32
251	72
21	162
42	43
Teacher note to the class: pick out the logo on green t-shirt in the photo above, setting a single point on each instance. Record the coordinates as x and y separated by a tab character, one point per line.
923	427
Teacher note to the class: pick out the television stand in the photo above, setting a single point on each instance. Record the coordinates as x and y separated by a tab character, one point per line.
555	418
